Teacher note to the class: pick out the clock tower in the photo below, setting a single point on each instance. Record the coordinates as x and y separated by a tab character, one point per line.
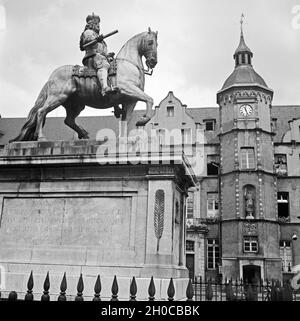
249	229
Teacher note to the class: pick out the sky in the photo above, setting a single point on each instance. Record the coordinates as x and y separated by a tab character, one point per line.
196	42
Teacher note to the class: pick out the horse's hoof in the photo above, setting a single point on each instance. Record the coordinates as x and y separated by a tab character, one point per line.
118	112
84	136
42	139
142	121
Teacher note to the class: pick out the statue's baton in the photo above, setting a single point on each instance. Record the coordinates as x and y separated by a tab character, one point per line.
100	38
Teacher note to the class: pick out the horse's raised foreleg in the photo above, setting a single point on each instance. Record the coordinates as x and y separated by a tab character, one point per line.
138	94
73	111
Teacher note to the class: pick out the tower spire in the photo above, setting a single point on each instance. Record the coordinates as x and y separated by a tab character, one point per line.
242	54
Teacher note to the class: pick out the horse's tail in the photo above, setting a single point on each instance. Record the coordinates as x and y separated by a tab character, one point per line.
27	132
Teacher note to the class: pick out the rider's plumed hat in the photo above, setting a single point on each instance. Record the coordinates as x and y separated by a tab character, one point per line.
92	18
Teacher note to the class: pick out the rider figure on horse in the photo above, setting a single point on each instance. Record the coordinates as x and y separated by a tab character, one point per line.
96	56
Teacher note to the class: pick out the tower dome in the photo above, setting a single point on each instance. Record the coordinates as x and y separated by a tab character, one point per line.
243	73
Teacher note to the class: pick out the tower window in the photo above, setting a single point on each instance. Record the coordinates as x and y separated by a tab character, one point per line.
280	164
170	111
212	204
250	244
283	205
247	158
286	255
213	254
213	164
210	124
243	58
274	124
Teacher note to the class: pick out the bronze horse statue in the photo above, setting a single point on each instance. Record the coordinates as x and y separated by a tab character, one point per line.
74	94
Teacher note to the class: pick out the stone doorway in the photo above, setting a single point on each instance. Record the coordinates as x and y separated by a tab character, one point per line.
251	273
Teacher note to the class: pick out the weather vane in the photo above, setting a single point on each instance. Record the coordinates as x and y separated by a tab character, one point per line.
242	21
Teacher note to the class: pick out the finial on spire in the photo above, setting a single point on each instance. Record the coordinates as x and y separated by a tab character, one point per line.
241	22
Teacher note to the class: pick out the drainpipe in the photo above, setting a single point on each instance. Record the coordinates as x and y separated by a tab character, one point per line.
220	215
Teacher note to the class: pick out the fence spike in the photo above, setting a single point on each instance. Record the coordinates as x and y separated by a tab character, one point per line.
45	296
97	289
133	290
171	290
30	283
13	296
80	287
151	290
190	291
63	288
114	289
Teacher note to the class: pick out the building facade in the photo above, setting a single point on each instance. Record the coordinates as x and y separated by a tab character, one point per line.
243	215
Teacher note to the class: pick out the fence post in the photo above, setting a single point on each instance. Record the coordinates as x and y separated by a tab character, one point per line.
209	291
189	291
97	289
29	295
279	291
151	290
63	288
287	292
45	296
171	290
236	284
13	296
114	290
80	287
133	290
229	291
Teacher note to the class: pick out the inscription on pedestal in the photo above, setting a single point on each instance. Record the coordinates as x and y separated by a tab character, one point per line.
69	221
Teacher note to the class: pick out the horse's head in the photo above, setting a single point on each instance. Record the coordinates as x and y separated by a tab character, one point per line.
149	48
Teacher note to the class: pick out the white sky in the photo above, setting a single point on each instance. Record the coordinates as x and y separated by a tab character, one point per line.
197	39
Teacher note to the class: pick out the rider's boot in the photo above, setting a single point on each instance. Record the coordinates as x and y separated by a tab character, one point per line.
102	76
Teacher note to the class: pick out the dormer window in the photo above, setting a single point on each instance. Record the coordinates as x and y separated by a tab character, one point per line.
170	111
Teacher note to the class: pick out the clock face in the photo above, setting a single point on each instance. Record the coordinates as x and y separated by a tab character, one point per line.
246	110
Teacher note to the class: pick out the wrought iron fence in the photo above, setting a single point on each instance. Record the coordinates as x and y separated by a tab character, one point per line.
239	290
197	290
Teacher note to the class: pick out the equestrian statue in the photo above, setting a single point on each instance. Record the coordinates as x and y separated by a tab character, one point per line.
102	82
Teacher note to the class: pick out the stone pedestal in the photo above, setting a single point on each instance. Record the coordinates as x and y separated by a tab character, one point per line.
61	211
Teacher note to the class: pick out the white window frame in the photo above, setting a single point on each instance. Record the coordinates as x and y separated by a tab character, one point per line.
286	255
212	244
252	243
246	159
212	201
190	200
186	134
